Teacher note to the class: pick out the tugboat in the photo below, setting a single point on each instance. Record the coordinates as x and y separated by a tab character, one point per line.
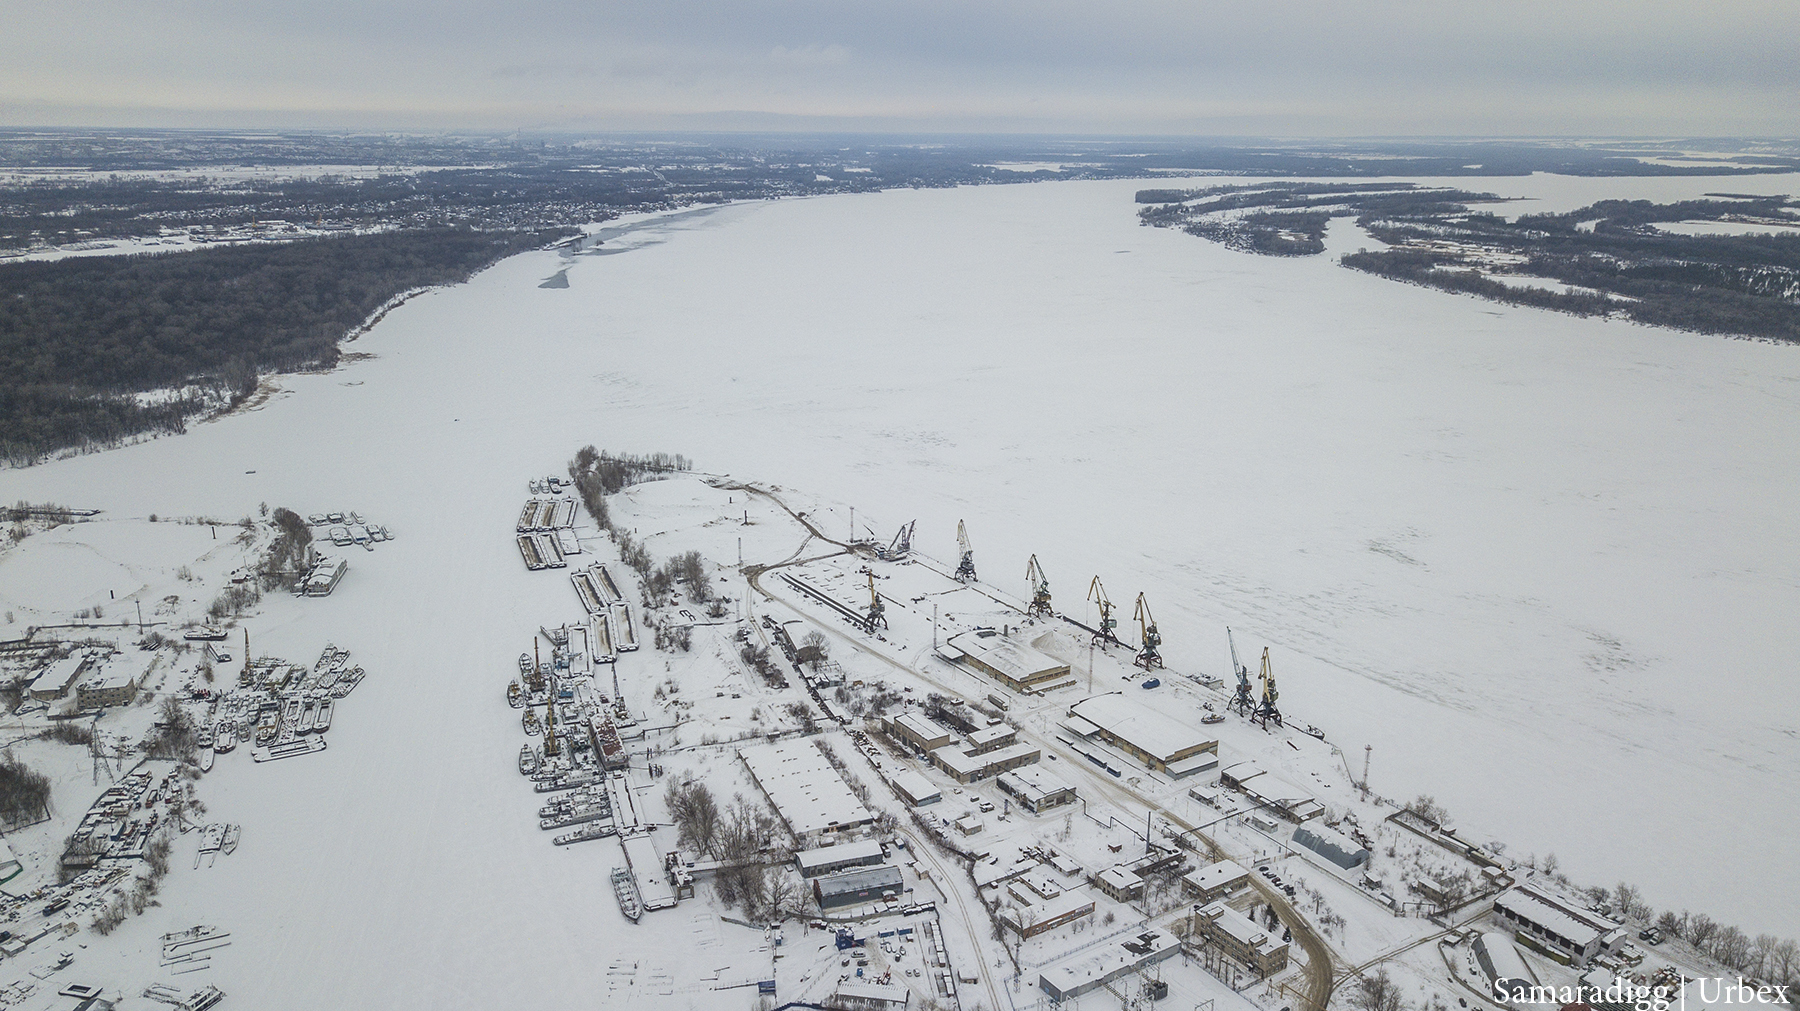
625	887
226	739
528	760
532	726
515	695
229	843
525	664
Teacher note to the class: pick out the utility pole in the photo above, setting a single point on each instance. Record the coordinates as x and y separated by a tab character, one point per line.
140	609
934	643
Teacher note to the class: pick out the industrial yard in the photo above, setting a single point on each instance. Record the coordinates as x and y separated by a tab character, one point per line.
1029	821
971	798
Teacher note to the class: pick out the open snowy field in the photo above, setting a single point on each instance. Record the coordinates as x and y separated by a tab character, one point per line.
1546	566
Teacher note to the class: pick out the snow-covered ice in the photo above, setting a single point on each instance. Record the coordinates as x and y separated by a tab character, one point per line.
1546	565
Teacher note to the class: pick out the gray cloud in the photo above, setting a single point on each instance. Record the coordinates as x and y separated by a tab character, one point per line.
1128	66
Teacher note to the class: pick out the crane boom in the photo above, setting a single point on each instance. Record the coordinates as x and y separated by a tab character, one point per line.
1268	711
1149	657
1040	589
965	569
1243	701
876	609
1097	594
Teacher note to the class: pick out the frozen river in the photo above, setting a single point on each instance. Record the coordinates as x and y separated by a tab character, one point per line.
1546	566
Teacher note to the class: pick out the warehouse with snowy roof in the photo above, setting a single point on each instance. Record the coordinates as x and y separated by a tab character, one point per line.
1161	742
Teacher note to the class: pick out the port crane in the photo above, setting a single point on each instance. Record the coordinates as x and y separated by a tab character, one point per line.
899	547
965	569
1244	701
1040	589
1268	711
1097	594
550	748
1148	657
876	609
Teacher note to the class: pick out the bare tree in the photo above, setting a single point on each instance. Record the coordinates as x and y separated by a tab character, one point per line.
1700	931
1732	948
1377	991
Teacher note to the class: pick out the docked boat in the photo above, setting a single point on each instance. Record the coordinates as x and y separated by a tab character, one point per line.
229	843
528	760
322	720
1312	731
579	816
290	712
205	738
226	738
308	713
525	664
1211	718
584	834
268	724
568	782
205	759
625	887
204	633
532	726
515	695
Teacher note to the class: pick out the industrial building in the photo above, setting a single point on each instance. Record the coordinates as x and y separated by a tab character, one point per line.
1161	742
915	789
807	793
1238	938
1119	884
858	887
1501	961
1090	970
1335	846
993	738
966	768
1558	928
54	682
1211	883
843	856
113	689
1013	664
921	732
1035	918
1279	797
1036	789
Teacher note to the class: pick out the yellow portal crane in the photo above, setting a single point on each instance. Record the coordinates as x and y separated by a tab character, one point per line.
1148	657
1040	589
1268	711
1097	594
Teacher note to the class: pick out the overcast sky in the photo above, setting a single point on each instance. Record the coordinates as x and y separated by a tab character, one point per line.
1274	67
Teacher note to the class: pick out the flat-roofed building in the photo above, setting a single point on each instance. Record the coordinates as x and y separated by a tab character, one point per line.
1557	927
966	768
921	732
843	856
1037	917
54	682
1119	884
1234	934
1013	664
805	790
1160	741
858	887
1090	969
111	688
915	789
993	738
1214	881
1036	789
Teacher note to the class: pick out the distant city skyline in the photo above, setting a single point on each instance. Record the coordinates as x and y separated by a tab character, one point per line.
1134	67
